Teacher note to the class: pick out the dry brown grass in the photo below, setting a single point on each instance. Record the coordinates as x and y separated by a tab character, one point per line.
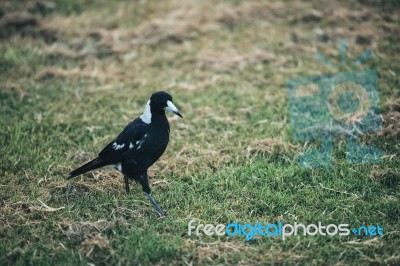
273	146
224	60
88	235
229	253
391	122
391	119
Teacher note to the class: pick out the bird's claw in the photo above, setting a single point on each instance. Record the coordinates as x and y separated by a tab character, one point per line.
160	214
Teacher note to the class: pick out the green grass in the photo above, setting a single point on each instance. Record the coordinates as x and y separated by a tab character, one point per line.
231	159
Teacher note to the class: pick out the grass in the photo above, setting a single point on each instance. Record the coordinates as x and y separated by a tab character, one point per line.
74	74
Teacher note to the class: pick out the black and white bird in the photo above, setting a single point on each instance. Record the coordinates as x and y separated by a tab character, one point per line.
138	146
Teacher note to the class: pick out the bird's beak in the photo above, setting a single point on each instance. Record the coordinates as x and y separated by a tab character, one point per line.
172	108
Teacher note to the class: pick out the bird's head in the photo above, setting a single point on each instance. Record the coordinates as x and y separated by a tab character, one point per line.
159	102
163	100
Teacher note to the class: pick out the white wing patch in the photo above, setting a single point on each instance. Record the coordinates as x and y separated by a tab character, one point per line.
130	145
117	146
141	141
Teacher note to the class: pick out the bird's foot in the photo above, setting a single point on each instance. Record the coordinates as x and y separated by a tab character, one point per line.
156	207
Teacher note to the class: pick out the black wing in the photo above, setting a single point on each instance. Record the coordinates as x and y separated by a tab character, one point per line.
131	137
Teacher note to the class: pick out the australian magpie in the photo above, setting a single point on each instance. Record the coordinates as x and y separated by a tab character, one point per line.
138	146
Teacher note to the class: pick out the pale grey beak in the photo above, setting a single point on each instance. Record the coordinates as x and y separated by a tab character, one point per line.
172	108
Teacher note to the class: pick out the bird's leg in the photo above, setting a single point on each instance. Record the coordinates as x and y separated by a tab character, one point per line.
126	178
146	189
158	210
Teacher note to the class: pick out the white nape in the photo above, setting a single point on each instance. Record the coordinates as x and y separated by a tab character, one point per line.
146	116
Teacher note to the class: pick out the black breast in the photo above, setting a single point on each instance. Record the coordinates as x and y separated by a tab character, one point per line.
150	150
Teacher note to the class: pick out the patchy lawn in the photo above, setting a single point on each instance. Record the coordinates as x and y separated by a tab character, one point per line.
74	73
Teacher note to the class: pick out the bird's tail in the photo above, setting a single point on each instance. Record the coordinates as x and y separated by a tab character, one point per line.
94	164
